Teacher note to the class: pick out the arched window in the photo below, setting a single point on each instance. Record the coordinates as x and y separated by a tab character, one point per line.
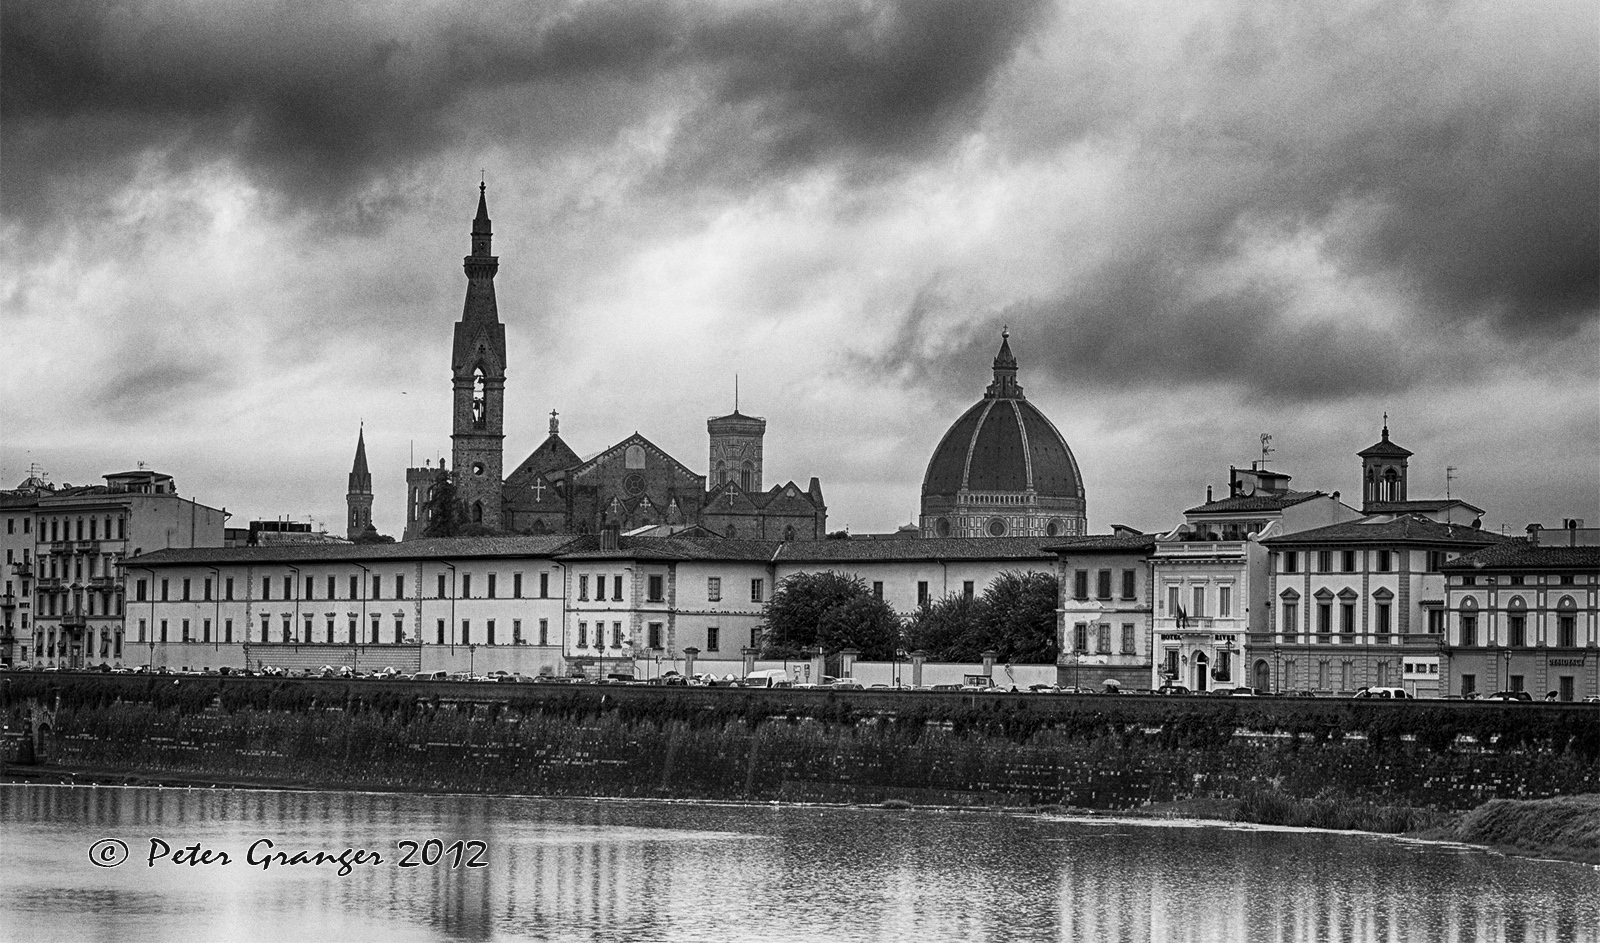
477	512
788	532
1517	622
732	531
747	477
1391	485
633	457
1566	622
480	409
722	473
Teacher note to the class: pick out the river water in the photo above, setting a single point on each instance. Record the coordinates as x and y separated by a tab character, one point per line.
622	871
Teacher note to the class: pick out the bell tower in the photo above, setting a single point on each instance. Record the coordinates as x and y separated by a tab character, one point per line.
358	498
1383	472
478	369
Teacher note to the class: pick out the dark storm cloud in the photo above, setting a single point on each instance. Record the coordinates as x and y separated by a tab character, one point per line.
1443	159
319	102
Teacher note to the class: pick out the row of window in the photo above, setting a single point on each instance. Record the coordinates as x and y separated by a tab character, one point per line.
352	635
1102	584
1099	635
1517	631
1382	619
1563	579
1197	602
654	588
1349	561
61	528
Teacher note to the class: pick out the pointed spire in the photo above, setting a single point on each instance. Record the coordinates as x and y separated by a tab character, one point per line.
360	477
1005	371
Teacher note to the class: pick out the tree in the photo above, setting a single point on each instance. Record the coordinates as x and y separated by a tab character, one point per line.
946	629
1017	617
446	515
371	536
831	611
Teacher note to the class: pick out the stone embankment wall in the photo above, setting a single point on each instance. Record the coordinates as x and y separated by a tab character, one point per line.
861	746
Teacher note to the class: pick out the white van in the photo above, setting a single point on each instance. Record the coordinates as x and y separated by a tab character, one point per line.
769	678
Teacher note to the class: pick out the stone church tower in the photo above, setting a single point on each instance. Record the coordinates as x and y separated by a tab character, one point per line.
358	499
736	450
478	366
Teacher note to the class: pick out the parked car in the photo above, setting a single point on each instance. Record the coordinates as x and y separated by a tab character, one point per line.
1508	696
847	684
1592	699
431	676
1173	689
768	678
1044	689
1241	692
1387	693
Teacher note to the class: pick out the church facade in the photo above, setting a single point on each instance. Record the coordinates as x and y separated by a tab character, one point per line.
632	485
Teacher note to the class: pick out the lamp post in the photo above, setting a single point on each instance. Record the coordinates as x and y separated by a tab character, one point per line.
472	660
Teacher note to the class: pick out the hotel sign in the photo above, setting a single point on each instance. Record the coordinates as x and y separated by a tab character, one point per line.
1567	662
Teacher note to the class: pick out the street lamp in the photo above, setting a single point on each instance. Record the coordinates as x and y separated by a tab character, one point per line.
472	659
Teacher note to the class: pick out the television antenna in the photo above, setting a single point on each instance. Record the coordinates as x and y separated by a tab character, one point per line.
1449	476
1266	449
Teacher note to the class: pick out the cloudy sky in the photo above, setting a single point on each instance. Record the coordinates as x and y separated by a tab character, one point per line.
233	231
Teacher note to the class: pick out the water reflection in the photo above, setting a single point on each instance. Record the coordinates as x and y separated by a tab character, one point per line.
641	871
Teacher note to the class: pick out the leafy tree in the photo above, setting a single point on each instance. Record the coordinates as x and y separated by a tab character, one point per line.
371	536
946	629
446	515
1017	617
833	611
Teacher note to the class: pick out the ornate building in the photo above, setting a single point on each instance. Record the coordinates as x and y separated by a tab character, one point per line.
1003	470
633	484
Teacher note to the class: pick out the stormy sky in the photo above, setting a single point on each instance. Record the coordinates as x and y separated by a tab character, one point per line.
232	233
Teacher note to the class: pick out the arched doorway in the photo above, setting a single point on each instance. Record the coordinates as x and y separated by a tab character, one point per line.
1263	682
1202	672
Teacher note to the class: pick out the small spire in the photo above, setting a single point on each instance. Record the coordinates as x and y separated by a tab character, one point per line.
1386	426
735	392
1005	371
555	424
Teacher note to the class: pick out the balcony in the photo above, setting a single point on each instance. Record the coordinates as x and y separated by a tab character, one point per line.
61	547
51	584
104	584
1180	549
23	569
8	601
73	620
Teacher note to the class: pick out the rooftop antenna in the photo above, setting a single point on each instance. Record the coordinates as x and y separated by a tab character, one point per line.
735	392
1449	476
1266	449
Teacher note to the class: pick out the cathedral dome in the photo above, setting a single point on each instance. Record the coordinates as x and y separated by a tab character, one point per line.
1003	470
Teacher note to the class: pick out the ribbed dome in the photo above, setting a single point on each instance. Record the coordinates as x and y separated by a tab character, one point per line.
1003	443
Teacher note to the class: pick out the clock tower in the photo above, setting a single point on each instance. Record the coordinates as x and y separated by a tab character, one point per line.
478	368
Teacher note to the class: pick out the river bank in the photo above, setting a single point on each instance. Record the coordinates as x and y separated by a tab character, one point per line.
1565	828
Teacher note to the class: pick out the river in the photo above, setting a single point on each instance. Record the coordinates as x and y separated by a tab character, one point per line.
624	871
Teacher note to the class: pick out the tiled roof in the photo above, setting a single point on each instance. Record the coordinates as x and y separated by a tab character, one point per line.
1255	502
672	548
1382	529
1104	543
1402	507
928	548
1519	554
438	548
575	548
